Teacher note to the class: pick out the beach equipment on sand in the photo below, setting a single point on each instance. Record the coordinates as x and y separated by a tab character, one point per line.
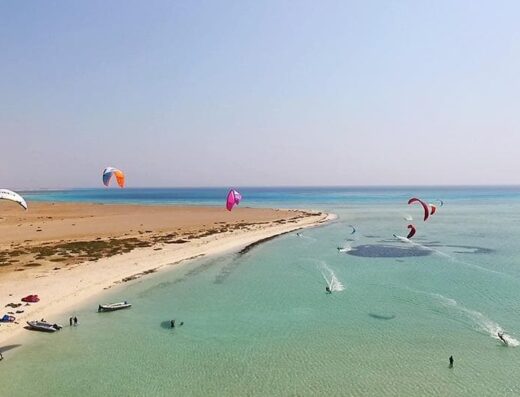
43	326
109	172
424	205
7	319
233	198
110	307
12	196
31	298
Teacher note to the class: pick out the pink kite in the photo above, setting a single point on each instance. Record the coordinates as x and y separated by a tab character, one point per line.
233	198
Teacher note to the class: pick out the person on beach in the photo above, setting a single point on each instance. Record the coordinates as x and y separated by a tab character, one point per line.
70	321
451	361
75	320
172	323
501	336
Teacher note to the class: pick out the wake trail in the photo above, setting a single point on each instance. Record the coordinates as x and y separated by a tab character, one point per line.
330	278
476	319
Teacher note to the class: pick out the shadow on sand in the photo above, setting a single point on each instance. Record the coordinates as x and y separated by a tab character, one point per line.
6	348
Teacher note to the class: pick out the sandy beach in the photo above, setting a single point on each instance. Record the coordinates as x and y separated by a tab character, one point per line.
67	253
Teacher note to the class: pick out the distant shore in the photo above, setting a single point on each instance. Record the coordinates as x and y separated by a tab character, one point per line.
67	253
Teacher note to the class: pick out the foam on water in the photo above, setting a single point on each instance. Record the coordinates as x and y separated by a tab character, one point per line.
345	248
335	285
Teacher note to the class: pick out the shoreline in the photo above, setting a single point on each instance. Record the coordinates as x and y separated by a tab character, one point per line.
62	292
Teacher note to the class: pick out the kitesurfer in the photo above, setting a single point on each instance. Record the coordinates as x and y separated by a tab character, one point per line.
501	336
299	234
329	291
451	361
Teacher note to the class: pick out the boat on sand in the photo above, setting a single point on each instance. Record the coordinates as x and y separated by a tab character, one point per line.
110	307
43	326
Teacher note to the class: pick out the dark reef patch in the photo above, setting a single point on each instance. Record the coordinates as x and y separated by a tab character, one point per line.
387	251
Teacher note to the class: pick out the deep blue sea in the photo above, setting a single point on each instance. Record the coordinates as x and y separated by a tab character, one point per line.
329	197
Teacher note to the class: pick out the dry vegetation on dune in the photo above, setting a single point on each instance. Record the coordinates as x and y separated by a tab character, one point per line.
58	254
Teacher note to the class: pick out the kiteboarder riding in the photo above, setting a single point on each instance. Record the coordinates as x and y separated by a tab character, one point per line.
329	291
501	336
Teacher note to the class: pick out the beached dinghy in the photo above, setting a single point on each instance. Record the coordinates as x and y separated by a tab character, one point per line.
114	306
43	326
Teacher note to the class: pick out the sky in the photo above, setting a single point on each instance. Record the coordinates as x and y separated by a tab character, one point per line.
259	93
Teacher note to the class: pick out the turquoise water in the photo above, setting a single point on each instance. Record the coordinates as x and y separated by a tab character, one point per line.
260	324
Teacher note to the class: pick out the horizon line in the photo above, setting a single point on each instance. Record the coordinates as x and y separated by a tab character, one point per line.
278	187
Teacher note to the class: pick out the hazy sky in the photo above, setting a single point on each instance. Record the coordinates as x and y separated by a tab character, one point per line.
205	93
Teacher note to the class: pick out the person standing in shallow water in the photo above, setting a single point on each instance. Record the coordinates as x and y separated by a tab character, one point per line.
451	361
75	320
70	321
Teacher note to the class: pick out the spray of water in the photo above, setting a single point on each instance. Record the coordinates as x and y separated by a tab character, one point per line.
330	278
345	248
